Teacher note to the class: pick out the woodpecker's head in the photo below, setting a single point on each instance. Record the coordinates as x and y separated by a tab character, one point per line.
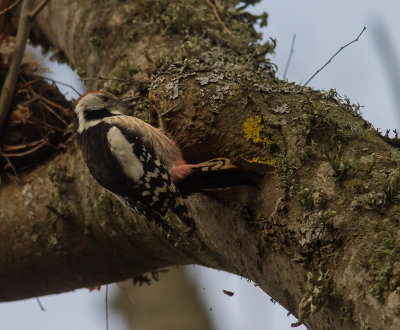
92	107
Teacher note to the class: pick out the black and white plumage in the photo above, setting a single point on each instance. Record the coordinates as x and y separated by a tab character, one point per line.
130	158
141	165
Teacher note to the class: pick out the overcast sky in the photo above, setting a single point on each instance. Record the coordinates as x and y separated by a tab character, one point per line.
321	27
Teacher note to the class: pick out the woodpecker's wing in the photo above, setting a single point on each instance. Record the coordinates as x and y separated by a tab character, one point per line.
155	188
163	147
152	185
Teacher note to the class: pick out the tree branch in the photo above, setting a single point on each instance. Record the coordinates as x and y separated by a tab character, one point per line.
321	234
16	2
37	10
218	18
7	91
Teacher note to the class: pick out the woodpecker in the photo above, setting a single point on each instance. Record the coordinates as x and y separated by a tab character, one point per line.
140	164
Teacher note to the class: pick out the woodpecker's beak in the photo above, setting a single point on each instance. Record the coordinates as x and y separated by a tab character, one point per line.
126	100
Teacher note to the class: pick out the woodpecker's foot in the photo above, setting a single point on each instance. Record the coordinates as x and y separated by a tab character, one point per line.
181	170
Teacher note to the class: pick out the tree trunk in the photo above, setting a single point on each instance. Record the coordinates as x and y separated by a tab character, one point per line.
172	302
320	236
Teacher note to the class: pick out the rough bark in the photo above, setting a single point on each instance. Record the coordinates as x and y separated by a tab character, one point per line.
321	236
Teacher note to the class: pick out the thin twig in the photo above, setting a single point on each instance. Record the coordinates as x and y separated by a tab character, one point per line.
139	102
49	102
9	164
172	108
22	154
128	295
61	83
31	175
9	7
290	56
116	79
54	113
29	83
107	307
329	61
218	18
42	113
7	91
37	10
40	305
14	179
41	123
7	148
27	102
83	86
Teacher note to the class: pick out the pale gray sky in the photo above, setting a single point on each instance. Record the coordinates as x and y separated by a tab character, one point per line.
322	27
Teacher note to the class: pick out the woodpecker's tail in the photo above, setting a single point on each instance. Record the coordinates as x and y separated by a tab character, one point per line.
216	174
153	216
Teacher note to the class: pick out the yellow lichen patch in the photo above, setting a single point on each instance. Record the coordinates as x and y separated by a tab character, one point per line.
262	160
252	129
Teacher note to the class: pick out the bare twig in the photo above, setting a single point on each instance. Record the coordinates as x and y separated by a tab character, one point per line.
41	123
30	83
107	307
49	102
37	10
13	178
40	305
22	154
7	148
290	56
9	7
125	291
218	18
172	108
27	102
10	165
54	113
116	79
329	61
7	91
61	83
